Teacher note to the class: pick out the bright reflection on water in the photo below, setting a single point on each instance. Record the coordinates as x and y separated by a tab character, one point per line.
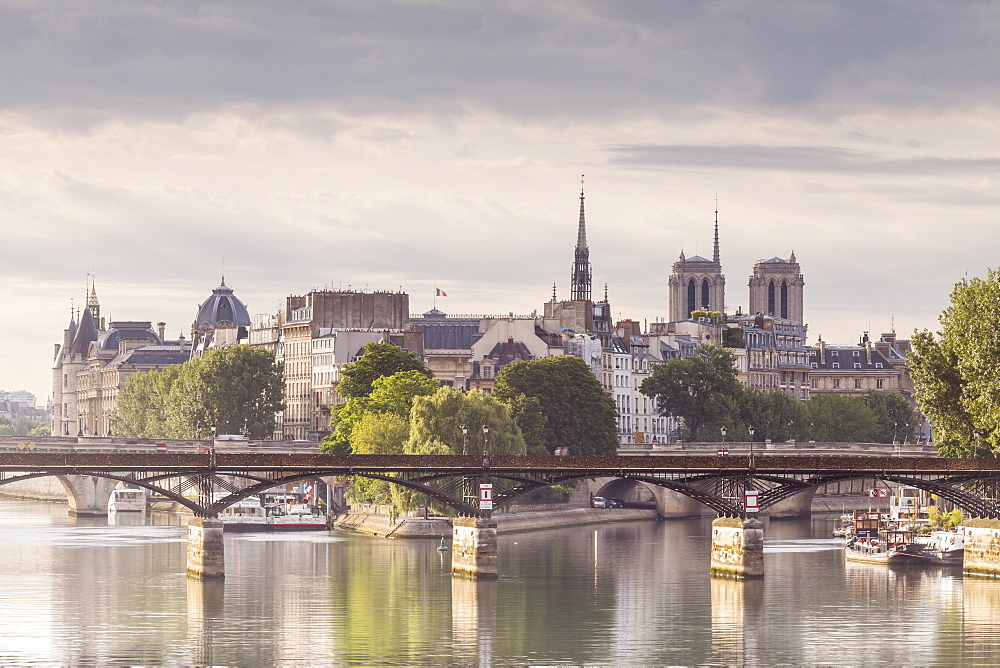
83	591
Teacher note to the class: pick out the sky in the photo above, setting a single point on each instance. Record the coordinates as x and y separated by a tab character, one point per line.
154	146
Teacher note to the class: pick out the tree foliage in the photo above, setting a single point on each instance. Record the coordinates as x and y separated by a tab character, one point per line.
837	419
22	426
699	389
579	414
238	389
390	394
896	419
957	373
379	359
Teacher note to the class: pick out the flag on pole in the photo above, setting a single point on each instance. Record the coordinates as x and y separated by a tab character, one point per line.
438	292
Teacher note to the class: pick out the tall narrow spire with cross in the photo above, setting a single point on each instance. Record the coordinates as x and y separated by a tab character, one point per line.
715	255
580	278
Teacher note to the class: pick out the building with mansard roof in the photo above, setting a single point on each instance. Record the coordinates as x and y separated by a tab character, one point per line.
222	320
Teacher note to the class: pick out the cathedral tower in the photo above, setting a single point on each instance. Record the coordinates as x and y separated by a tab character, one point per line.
697	283
776	288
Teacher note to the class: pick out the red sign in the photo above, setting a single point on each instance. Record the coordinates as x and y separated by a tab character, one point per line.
878	493
486	496
723	452
161	447
750	502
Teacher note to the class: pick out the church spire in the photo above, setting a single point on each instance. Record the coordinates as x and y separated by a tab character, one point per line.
715	254
580	278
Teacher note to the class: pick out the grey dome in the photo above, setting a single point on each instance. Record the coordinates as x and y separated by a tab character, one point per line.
222	308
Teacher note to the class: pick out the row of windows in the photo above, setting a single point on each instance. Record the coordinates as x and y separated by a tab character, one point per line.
836	365
859	383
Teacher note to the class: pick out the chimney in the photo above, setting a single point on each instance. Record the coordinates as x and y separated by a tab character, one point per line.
822	351
160	329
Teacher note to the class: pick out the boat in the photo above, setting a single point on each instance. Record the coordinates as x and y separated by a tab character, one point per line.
244	515
127	500
946	548
295	517
874	543
845	528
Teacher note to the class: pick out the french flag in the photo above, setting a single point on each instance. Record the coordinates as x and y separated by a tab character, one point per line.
440	293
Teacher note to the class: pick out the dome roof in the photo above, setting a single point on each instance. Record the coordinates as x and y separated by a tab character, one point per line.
222	308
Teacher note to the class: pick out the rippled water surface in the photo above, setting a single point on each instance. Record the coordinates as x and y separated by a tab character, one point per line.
77	591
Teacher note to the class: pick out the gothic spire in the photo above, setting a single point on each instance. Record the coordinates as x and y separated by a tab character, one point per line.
580	278
715	254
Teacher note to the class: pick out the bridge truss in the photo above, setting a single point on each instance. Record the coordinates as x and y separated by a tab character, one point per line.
453	480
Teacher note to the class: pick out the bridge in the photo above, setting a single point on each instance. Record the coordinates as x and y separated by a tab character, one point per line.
195	479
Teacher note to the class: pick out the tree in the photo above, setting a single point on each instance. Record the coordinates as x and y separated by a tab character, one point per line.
238	389
379	359
698	389
579	414
957	373
837	419
896	419
773	415
377	434
390	394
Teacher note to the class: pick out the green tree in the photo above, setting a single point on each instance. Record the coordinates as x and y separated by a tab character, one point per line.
390	394
579	414
379	359
957	373
377	434
896	418
22	426
700	389
239	389
837	419
773	415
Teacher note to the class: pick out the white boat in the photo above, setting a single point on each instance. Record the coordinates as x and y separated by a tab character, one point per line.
874	543
244	515
943	547
295	517
127	500
845	527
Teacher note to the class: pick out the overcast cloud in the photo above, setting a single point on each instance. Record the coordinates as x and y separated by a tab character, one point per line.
380	145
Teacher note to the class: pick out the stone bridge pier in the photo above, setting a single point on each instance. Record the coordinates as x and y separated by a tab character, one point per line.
738	547
88	496
474	548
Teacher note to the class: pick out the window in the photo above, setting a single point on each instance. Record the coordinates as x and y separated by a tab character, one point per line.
815	383
878	383
836	383
813	364
878	365
857	353
836	365
835	353
857	383
857	365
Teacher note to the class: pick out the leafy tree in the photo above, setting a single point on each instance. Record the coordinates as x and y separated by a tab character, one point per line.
838	419
390	394
896	418
699	389
436	429
957	373
379	359
527	412
22	426
377	434
579	414
238	389
773	415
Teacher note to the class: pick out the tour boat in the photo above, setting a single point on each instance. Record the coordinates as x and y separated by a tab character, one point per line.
127	501
295	517
244	515
873	543
845	529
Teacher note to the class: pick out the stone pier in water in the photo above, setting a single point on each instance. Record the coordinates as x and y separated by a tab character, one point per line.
738	547
982	548
474	548
205	554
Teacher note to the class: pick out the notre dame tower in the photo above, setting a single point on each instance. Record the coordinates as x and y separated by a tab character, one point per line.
697	283
776	288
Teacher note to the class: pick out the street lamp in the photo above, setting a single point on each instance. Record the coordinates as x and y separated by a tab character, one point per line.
486	439
750	429
791	430
465	438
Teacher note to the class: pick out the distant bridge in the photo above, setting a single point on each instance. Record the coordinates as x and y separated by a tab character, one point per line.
718	482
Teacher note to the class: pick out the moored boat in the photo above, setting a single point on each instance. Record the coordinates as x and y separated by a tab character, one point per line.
295	517
874	543
127	500
244	515
943	547
845	527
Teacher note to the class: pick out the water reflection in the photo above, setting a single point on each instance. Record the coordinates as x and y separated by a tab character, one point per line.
473	620
85	591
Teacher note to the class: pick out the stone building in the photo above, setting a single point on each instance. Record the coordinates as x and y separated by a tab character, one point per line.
776	289
697	283
222	320
850	370
94	361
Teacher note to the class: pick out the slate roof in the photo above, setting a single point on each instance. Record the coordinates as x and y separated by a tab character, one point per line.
222	306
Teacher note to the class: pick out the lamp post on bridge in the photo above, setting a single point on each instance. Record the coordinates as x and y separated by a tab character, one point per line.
750	429
723	451
465	439
486	446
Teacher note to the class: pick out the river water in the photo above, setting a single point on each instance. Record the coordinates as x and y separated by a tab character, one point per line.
76	591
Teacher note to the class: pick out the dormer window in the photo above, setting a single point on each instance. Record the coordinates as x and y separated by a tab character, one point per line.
857	353
836	365
857	365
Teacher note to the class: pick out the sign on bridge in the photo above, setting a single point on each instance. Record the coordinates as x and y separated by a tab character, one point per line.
486	496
